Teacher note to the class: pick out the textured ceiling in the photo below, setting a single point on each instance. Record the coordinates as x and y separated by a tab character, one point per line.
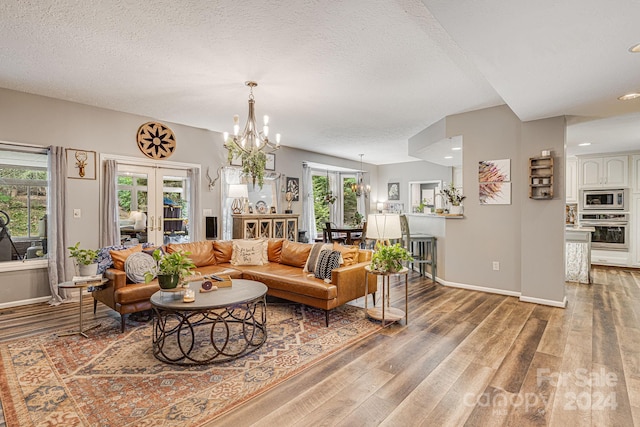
338	77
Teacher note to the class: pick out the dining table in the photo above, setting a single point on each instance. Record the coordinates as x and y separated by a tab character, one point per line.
350	234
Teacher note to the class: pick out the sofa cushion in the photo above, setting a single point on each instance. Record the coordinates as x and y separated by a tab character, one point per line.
137	264
120	256
201	253
249	252
328	260
223	249
274	249
294	254
349	253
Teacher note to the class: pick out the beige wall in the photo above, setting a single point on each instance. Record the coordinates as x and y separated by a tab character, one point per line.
525	237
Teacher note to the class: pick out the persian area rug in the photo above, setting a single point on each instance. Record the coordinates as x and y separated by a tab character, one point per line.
113	379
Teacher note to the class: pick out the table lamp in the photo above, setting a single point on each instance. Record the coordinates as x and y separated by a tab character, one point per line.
239	193
383	227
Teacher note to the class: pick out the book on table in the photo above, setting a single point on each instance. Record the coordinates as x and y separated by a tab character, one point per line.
85	280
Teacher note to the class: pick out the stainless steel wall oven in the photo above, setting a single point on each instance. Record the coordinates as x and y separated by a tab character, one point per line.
611	230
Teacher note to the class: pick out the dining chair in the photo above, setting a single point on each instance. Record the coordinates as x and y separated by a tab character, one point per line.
333	236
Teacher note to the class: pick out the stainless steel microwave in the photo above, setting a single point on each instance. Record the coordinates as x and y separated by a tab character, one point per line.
604	200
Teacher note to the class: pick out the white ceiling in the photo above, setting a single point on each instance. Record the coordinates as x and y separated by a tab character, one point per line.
337	77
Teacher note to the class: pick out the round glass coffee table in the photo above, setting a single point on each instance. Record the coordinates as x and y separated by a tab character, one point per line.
218	326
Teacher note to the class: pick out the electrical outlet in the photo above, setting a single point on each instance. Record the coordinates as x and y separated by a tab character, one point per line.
77	213
207	212
496	266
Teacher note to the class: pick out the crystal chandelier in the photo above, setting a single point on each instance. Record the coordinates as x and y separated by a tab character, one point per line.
360	188
251	140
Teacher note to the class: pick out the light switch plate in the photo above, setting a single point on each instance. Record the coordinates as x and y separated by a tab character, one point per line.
207	212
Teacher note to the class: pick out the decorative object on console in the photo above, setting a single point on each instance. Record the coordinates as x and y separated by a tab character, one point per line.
252	145
239	193
494	186
156	140
360	188
288	197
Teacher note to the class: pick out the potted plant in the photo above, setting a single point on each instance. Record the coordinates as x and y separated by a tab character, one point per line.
171	268
358	218
388	259
253	163
86	260
454	197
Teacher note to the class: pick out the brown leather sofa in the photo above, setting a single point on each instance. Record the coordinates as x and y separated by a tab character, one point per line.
283	275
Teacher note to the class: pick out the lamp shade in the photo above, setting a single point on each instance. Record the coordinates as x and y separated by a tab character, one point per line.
383	227
238	191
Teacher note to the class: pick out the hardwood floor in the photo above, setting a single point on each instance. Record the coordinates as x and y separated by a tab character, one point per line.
465	358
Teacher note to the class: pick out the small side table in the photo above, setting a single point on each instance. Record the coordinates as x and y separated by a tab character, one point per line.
81	287
390	313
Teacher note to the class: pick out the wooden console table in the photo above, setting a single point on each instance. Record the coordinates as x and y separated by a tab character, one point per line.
252	226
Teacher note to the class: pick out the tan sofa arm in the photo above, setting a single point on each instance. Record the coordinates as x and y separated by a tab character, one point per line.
350	282
118	278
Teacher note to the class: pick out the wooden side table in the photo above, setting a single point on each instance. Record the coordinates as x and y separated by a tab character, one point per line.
81	287
386	312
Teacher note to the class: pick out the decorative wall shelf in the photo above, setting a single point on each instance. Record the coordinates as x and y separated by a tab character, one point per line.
541	178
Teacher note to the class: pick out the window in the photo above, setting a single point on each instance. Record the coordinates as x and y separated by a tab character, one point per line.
334	203
23	203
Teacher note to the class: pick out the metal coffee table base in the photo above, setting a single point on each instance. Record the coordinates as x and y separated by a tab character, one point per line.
187	337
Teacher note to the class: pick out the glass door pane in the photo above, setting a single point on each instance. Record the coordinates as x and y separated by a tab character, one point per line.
175	206
133	205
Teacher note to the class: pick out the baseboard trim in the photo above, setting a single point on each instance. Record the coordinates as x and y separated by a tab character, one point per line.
479	288
24	302
552	303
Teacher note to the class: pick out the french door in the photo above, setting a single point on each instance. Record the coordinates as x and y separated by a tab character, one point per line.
153	205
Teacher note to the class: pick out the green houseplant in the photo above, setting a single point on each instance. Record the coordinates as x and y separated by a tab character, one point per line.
86	259
253	163
388	259
454	197
171	268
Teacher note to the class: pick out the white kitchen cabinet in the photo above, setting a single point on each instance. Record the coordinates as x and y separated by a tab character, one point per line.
635	173
571	180
604	172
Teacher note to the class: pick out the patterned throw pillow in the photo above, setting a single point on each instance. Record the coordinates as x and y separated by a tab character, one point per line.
104	257
327	261
137	264
312	261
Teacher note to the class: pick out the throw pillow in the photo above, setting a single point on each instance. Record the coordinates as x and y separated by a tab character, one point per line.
328	260
249	252
119	257
349	253
223	249
294	254
104	255
137	264
274	249
312	261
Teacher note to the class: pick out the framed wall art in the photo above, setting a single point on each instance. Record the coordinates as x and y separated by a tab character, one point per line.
271	162
81	164
293	187
393	191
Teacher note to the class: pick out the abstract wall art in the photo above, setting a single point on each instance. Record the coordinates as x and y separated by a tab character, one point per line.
494	178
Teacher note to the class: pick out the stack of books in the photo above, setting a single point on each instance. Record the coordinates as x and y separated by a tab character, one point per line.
87	280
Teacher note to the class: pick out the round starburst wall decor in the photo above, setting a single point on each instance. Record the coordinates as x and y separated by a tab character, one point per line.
156	140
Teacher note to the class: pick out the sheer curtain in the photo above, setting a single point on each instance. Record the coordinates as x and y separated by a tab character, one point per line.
194	204
109	212
57	243
229	176
308	222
